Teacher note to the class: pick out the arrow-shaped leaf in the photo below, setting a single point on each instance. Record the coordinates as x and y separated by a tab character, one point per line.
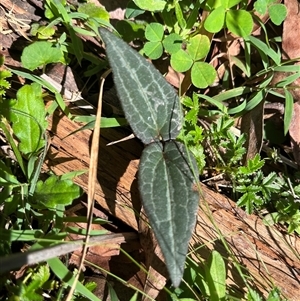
166	185
166	177
150	103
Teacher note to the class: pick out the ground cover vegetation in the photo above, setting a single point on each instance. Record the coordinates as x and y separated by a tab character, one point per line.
213	127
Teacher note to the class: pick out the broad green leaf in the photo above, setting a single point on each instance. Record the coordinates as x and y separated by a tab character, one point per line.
215	20
41	53
154	32
55	191
216	276
94	11
166	184
198	47
151	105
151	5
28	117
278	13
203	75
239	22
153	50
288	110
181	61
172	43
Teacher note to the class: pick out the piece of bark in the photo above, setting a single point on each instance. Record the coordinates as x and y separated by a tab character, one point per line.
270	256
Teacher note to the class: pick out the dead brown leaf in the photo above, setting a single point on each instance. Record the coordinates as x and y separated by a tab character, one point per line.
295	132
291	50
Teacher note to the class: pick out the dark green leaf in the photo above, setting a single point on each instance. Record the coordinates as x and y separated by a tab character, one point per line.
166	183
151	105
